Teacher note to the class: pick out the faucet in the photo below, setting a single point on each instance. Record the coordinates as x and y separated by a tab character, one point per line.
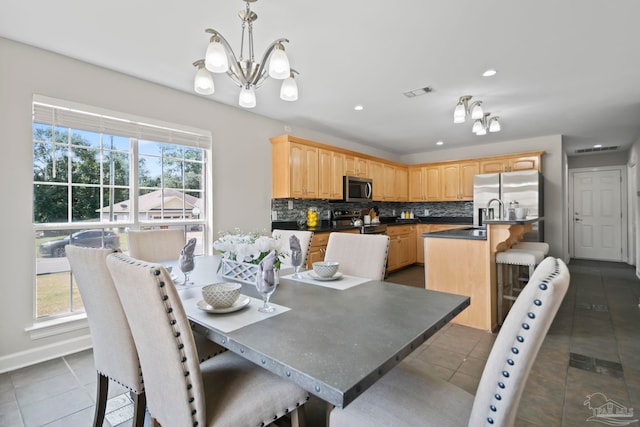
500	205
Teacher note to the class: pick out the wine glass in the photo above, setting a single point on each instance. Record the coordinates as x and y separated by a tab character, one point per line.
187	265
296	261
266	284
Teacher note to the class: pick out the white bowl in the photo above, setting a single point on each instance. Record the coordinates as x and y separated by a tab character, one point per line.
326	269
221	295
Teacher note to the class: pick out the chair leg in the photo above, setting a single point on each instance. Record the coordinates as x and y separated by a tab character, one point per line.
101	400
155	423
297	417
139	409
500	268
328	408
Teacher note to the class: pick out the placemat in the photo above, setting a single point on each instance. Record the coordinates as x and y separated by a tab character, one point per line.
228	322
345	282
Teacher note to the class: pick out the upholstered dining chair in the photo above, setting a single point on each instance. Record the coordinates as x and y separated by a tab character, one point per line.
406	396
226	390
305	242
156	245
114	352
362	255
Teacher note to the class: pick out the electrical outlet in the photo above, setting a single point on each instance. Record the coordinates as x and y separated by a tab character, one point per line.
274	215
393	212
290	204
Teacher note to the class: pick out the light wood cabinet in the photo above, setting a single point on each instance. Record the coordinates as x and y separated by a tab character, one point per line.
431	228
376	170
402	184
356	166
330	173
425	183
511	163
319	246
294	169
402	248
457	180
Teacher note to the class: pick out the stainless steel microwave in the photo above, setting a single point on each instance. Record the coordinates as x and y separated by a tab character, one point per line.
355	189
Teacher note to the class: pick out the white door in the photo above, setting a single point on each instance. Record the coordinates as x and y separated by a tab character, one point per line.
597	216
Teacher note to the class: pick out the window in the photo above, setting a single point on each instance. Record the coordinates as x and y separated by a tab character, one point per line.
95	175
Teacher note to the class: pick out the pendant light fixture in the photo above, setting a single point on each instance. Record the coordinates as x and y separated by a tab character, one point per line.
481	120
245	72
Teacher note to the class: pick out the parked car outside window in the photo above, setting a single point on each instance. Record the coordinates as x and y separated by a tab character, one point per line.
86	238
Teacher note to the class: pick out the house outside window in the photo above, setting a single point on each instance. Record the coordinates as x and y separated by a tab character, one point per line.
97	174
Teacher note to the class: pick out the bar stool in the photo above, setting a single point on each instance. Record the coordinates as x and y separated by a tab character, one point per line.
536	246
513	259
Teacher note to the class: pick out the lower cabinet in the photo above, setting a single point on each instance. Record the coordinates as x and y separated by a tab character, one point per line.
402	246
430	228
319	246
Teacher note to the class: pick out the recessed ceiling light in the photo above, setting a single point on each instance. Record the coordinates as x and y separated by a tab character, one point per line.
489	73
439	143
597	146
358	108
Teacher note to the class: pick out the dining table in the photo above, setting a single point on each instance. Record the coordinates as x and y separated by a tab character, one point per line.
332	338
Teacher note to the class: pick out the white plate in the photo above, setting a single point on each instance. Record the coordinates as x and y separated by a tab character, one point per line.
240	303
314	276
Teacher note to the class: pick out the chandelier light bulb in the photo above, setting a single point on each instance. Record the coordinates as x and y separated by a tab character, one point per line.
289	89
476	110
459	114
279	63
482	131
247	98
477	125
216	57
203	82
494	125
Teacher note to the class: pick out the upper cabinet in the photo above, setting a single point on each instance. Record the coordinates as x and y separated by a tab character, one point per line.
330	173
457	180
356	166
512	163
294	169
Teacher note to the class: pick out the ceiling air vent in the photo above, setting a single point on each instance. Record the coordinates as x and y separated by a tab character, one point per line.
418	92
596	149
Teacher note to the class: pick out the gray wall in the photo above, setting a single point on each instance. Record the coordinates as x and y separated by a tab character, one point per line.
239	180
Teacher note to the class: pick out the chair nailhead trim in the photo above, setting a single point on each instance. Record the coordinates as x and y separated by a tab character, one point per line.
170	310
177	334
537	302
520	338
543	286
156	272
493	408
164	298
501	384
531	315
525	326
510	362
515	350
498	397
505	374
490	420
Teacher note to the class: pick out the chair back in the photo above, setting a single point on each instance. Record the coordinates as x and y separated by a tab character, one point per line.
305	243
156	245
163	337
517	344
114	351
362	255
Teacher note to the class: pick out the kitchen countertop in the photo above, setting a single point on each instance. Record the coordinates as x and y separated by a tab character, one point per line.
470	233
326	226
527	220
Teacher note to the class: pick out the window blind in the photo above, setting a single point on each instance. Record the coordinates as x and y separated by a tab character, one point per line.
69	114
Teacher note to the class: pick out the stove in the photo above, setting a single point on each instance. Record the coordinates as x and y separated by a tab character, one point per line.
373	229
344	218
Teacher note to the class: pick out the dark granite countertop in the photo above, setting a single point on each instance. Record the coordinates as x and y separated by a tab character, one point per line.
389	221
528	220
470	233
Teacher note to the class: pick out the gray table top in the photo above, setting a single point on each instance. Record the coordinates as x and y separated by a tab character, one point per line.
333	343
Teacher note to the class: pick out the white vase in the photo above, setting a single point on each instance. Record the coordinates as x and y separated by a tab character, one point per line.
239	271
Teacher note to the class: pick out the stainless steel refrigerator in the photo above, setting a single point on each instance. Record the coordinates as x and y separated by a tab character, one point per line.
525	187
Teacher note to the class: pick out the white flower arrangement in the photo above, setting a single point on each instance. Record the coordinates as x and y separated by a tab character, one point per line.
249	247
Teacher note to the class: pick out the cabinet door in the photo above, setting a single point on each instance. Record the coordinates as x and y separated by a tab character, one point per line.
407	249
297	164
467	171
325	176
450	182
389	183
524	163
337	172
416	184
393	256
355	166
377	174
433	177
420	230
402	184
311	175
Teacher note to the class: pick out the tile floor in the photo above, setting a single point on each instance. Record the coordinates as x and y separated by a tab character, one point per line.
592	347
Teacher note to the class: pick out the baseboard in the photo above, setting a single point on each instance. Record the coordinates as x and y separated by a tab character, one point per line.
32	356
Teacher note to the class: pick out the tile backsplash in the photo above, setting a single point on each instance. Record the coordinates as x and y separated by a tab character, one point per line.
280	208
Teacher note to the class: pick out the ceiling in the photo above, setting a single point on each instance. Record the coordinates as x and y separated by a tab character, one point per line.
567	67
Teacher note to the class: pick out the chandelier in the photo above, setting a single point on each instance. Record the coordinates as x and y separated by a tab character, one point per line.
245	72
481	121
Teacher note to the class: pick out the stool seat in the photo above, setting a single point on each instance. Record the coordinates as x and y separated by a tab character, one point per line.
513	258
536	246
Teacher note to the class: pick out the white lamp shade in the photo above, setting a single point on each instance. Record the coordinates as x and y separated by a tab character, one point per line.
247	98
203	82
494	125
482	131
476	111
289	90
215	59
459	113
279	64
477	125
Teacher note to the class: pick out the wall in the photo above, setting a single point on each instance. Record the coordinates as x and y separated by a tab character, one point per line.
239	180
599	160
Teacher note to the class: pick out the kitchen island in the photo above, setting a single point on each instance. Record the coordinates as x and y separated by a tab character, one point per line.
462	261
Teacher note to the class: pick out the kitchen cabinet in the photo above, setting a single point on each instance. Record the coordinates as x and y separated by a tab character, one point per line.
319	246
511	163
330	173
457	180
390	182
431	228
356	166
402	247
294	169
402	184
376	170
425	183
